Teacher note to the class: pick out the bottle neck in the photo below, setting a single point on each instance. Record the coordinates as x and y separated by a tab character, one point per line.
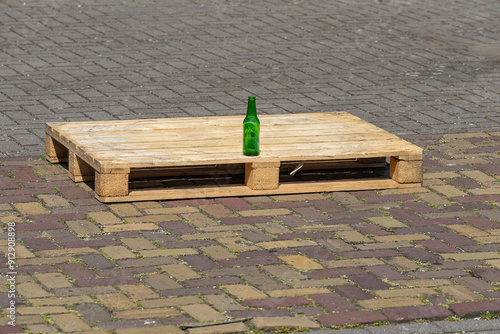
251	108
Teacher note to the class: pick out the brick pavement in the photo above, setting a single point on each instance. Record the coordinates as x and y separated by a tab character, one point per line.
316	261
424	70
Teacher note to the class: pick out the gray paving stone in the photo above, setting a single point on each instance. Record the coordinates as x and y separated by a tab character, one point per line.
393	56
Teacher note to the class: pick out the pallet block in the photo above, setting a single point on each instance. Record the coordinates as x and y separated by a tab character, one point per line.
262	175
406	169
114	154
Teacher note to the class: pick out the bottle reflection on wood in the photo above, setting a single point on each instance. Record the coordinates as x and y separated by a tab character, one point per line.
251	129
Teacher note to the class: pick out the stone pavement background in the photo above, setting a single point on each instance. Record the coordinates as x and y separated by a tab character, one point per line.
425	70
406	66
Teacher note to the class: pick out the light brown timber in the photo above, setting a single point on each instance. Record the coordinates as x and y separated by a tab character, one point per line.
118	150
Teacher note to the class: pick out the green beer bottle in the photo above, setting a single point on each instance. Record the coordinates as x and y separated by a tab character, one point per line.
251	129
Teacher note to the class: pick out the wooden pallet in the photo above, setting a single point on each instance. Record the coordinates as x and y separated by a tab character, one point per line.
114	154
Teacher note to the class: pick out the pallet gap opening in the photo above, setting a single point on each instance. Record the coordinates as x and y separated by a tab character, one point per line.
192	177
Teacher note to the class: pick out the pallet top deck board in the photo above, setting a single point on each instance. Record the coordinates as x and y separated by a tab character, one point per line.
218	140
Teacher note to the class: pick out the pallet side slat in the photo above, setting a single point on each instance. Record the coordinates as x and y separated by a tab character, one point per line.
230	191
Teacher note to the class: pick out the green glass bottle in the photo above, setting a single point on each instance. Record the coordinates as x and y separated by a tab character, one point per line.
251	129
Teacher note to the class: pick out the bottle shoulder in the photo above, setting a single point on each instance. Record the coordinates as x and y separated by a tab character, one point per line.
251	119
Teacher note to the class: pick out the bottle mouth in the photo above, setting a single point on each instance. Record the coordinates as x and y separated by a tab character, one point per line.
251	98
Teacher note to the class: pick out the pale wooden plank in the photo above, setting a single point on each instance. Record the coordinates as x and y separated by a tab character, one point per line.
214	144
218	133
220	130
221	144
327	149
235	190
193	162
266	132
298	122
131	159
289	152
